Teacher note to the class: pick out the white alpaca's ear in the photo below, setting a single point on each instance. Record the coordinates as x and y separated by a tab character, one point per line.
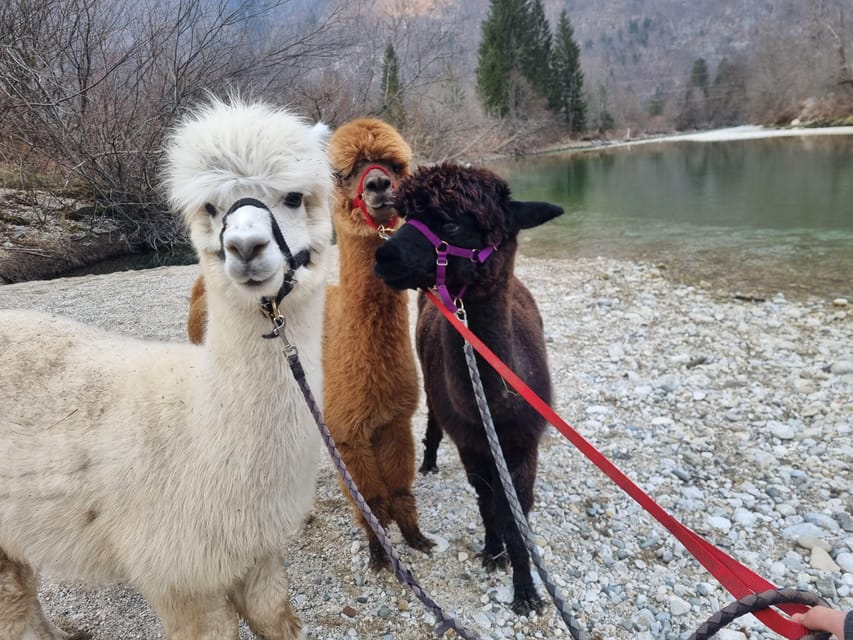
321	133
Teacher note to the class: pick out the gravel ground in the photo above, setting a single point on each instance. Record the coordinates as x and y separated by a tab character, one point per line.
734	414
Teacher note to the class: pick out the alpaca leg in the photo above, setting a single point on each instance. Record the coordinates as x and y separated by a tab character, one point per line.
432	438
523	472
262	599
395	455
359	457
378	558
21	615
196	617
482	476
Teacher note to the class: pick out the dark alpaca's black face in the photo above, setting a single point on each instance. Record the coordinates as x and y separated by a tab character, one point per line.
465	207
408	259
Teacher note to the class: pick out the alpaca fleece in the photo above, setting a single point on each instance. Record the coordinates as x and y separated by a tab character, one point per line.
371	383
182	470
473	208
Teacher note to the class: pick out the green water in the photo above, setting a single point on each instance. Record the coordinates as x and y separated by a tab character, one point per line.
754	217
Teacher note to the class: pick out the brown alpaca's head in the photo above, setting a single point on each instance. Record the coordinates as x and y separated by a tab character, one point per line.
369	158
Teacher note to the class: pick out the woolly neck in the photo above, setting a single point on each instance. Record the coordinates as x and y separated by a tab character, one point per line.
357	281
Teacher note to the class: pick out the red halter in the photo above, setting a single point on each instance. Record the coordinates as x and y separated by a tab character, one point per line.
358	201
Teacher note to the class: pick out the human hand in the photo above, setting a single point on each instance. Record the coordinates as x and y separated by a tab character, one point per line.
820	618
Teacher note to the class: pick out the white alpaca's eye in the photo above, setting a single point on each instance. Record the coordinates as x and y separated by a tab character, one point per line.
210	209
292	199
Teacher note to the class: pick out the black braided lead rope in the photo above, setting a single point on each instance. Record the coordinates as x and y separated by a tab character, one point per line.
756	602
571	623
403	573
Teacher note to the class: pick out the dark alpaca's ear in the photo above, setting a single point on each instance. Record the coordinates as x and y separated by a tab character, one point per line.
526	215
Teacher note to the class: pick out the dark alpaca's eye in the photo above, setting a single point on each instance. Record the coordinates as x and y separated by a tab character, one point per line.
293	199
450	228
210	209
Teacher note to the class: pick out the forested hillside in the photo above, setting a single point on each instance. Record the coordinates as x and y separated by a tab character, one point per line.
89	88
773	54
765	59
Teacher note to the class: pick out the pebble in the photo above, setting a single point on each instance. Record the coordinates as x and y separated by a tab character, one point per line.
678	606
745	517
720	522
822	561
812	542
823	521
781	430
732	416
845	561
841	367
803	530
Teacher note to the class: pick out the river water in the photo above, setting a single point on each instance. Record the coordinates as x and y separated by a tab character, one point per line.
753	217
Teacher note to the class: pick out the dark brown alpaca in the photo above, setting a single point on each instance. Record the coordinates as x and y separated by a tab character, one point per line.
472	208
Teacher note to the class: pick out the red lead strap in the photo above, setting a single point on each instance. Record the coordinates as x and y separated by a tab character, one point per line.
738	579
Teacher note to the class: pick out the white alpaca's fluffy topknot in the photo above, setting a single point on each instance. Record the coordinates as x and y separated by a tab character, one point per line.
225	149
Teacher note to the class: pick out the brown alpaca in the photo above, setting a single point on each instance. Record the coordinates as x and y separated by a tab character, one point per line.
370	375
369	371
197	319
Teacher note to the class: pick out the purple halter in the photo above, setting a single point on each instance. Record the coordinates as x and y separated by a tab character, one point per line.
442	250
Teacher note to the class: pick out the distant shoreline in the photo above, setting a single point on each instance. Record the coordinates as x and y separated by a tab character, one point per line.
726	134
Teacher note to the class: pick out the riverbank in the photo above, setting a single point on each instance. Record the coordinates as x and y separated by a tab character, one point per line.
40	237
735	415
38	241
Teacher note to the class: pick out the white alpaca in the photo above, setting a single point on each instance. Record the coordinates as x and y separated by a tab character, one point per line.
180	469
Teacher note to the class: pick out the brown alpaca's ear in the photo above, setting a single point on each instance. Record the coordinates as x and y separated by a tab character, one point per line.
526	215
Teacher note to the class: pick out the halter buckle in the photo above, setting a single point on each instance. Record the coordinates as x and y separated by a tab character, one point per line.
460	311
270	309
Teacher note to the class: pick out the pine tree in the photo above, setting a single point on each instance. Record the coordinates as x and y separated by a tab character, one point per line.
727	94
568	97
694	111
699	75
500	55
392	89
514	56
536	52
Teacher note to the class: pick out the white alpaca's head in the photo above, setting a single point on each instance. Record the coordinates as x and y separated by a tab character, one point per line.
240	172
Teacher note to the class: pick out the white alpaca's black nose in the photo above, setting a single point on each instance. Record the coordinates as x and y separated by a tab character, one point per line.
247	247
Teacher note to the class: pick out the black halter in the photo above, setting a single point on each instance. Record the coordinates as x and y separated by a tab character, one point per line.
293	261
